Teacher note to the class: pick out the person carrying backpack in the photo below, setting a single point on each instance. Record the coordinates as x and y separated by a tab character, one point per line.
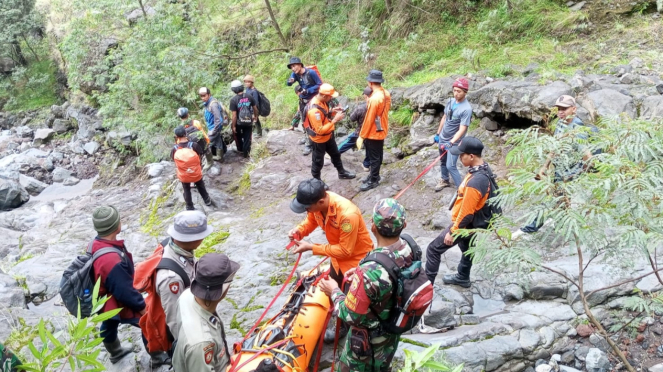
116	272
469	211
370	304
309	84
244	111
251	90
186	155
196	133
213	111
165	275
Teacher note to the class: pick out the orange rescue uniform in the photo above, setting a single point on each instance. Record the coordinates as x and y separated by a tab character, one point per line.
473	193
319	121
378	105
348	237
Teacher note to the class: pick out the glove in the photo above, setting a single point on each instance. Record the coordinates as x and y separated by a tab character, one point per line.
360	143
445	146
436	138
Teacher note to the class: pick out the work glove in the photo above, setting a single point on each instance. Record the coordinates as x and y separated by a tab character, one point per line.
445	146
436	138
360	143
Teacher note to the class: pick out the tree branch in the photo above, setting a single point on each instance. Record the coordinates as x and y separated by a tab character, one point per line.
561	274
142	7
248	55
275	22
654	265
624	282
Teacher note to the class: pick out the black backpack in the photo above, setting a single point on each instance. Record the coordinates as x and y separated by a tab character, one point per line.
77	281
412	291
264	106
245	113
484	215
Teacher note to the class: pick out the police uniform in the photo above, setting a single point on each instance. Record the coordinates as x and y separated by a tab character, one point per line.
170	285
201	345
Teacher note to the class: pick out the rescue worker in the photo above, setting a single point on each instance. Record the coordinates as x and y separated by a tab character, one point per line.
201	344
343	224
309	83
183	144
472	195
251	90
377	292
187	232
375	128
196	133
320	124
213	111
357	116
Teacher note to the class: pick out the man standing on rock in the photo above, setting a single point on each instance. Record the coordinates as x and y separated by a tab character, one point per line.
319	124
309	84
186	156
375	128
196	133
471	198
358	115
251	90
244	113
342	222
453	127
376	295
116	273
213	111
202	345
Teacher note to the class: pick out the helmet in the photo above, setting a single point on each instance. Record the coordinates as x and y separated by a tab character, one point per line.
328	90
182	112
236	86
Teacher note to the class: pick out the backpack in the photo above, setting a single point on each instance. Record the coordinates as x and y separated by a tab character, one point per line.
187	163
315	68
194	134
245	113
485	214
77	283
264	106
153	322
412	290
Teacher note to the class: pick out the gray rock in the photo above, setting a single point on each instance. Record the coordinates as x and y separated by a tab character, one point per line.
24	132
134	15
608	102
581	353
11	294
500	349
422	132
578	6
154	170
32	185
652	107
513	292
278	141
57	111
628	79
91	147
7	65
441	315
547	336
462	302
470	319
61	174
469	354
597	361
61	126
568	357
656	368
544	368
529	340
12	194
599	342
637	62
489	124
564	368
659	88
622	69
42	136
71	181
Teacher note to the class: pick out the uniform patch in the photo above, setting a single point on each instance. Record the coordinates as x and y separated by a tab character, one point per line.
209	353
357	300
317	116
174	287
346	227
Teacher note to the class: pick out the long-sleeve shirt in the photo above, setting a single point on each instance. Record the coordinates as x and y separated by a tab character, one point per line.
309	81
319	121
473	193
213	115
170	285
358	115
378	105
347	235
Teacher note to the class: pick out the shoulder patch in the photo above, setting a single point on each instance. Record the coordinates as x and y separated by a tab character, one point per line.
208	351
174	287
346	226
317	115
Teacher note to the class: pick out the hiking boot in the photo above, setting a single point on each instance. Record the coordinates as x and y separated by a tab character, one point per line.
346	175
116	351
365	179
442	184
330	333
209	202
159	358
366	169
368	185
301	141
530	229
456	279
307	150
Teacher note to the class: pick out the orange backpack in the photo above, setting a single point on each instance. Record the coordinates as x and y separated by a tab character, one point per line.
187	162
153	322
315	68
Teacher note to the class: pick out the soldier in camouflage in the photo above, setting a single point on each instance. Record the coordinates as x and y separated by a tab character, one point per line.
368	300
8	361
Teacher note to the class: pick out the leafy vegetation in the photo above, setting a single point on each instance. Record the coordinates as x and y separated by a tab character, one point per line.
423	361
210	242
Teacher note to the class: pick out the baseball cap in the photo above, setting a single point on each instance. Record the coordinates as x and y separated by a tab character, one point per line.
565	101
180	132
468	145
214	273
203	90
189	226
328	90
249	78
309	192
389	217
461	83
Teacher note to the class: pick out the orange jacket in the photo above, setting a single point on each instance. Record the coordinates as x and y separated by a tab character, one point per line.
378	105
473	193
346	233
319	122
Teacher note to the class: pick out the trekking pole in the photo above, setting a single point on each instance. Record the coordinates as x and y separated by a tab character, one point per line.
429	167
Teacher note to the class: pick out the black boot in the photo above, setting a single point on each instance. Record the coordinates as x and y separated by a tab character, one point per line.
330	333
367	178
159	358
116	351
346	175
368	185
456	279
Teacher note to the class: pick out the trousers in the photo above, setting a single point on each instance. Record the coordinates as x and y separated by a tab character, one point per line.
374	152
448	166
188	199
243	139
318	156
438	247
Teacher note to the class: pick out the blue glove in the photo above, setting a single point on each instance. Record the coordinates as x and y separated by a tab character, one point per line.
436	138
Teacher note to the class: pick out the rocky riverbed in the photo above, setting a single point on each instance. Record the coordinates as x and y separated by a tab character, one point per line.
57	167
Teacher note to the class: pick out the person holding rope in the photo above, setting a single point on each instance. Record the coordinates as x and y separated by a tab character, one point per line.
343	224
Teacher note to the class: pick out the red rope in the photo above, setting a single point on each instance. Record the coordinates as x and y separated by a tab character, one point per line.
429	167
270	347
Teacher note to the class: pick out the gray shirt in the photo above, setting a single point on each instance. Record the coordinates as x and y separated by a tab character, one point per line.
170	285
457	114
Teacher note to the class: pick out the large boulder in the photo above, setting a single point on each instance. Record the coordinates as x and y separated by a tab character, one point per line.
32	186
12	194
11	294
42	136
652	107
87	120
61	174
98	50
61	126
608	103
6	65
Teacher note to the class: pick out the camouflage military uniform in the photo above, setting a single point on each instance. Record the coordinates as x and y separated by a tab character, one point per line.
378	289
8	361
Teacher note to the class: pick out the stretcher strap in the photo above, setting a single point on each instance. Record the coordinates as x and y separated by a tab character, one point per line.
234	367
429	167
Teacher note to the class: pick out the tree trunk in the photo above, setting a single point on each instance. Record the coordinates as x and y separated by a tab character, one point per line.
387	4
276	24
20	58
142	7
29	47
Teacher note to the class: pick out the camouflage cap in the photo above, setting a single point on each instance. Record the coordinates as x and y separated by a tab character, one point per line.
389	217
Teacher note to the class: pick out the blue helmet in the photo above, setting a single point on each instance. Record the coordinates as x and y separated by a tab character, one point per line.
182	112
